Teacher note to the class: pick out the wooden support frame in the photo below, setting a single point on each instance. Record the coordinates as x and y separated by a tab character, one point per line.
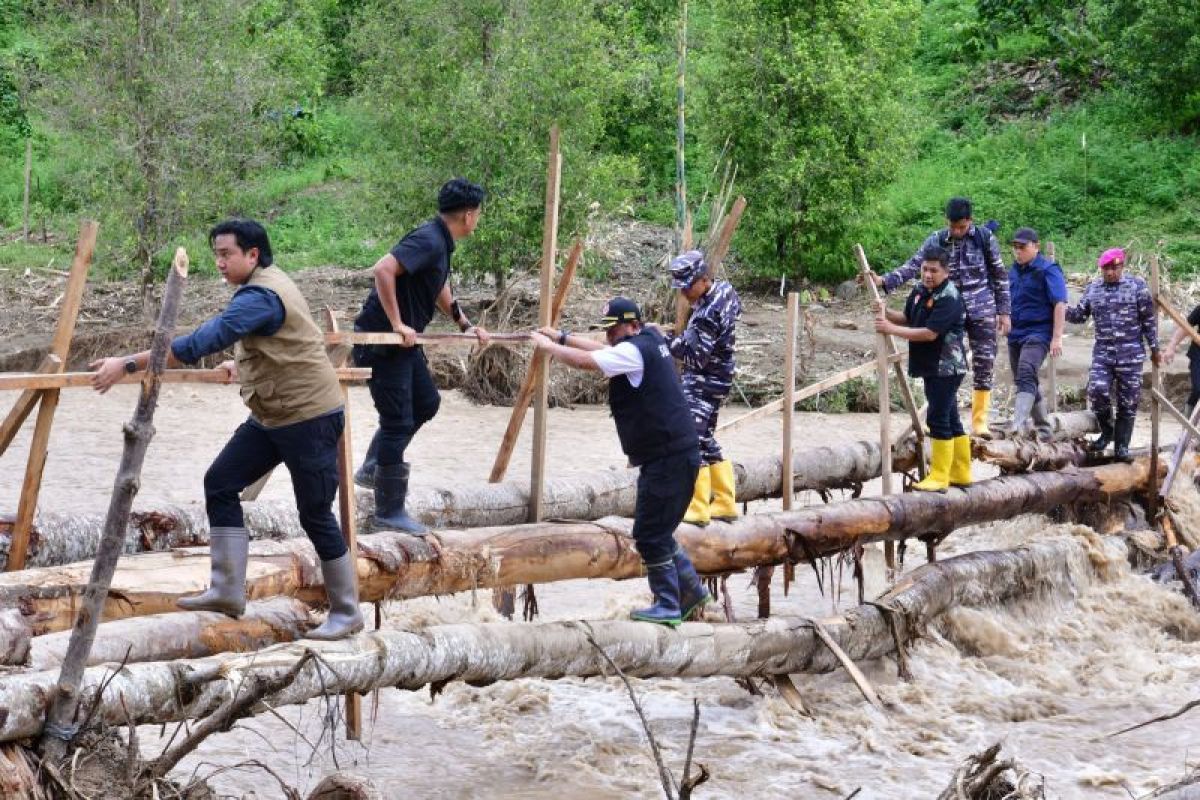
1189	426
39	446
335	338
1177	455
521	405
1177	318
541	392
789	403
806	392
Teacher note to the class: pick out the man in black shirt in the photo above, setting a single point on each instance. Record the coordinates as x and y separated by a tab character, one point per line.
411	282
657	434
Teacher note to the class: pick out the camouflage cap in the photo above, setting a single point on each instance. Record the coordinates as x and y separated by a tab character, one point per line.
687	268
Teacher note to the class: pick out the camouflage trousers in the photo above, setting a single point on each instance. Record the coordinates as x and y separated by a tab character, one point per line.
1107	376
704	400
981	334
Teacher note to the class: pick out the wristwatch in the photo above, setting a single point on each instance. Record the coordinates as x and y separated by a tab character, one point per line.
131	365
562	336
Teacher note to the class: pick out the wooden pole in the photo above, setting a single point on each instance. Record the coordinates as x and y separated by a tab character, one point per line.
25	201
789	404
521	405
681	213
427	339
83	380
1178	319
347	514
29	398
1155	405
60	345
537	475
1180	448
1053	368
906	394
61	721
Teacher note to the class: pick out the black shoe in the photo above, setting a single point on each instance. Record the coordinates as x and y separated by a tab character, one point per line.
365	476
1123	432
391	490
1101	442
664	585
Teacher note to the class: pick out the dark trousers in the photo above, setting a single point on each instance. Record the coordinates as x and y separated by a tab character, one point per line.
981	334
664	490
1194	373
941	392
1026	359
309	451
405	397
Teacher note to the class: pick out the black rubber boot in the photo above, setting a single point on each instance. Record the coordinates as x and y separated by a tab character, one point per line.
1100	443
664	585
693	595
365	476
1123	432
391	489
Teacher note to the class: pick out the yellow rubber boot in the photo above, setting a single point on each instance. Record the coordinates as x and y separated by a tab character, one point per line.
938	479
960	469
981	403
698	513
724	502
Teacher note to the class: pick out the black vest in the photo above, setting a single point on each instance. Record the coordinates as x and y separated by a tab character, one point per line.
653	420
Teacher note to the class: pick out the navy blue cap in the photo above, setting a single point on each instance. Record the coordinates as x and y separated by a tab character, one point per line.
619	309
1025	236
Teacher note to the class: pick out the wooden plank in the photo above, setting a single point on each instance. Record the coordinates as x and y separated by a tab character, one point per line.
347	513
1178	319
1177	456
517	418
806	392
1155	405
83	380
537	474
860	680
26	403
1188	426
789	403
427	339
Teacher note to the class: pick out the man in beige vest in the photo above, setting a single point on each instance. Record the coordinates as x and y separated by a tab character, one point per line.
296	418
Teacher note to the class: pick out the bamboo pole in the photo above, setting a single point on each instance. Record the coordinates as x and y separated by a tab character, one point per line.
83	380
798	394
521	405
712	259
789	404
1155	405
906	394
681	213
61	724
59	347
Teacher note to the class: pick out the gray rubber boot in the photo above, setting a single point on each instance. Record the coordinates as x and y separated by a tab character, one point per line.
229	548
1022	408
391	490
1041	422
345	618
365	476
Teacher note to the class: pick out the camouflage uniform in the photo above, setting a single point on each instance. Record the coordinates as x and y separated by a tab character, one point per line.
1124	316
979	273
706	348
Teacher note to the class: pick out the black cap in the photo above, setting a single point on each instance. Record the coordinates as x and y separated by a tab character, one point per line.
1025	236
617	310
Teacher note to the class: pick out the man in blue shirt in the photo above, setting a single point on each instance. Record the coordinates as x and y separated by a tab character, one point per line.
1039	312
411	283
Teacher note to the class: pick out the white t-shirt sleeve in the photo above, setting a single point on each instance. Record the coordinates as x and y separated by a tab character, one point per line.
624	359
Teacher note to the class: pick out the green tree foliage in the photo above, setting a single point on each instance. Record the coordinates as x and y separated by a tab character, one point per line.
474	93
813	94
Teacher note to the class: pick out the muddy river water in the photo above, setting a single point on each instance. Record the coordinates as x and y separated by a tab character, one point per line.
1050	680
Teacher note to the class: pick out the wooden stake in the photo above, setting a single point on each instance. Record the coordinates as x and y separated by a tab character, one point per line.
521	405
1178	319
347	514
61	720
860	680
537	475
789	403
1155	406
910	403
25	201
1052	370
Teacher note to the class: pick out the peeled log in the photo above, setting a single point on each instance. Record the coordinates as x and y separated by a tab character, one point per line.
61	539
483	653
395	565
1025	455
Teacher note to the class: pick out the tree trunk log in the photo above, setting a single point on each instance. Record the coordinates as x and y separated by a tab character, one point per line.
484	653
62	539
1025	455
396	565
345	786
